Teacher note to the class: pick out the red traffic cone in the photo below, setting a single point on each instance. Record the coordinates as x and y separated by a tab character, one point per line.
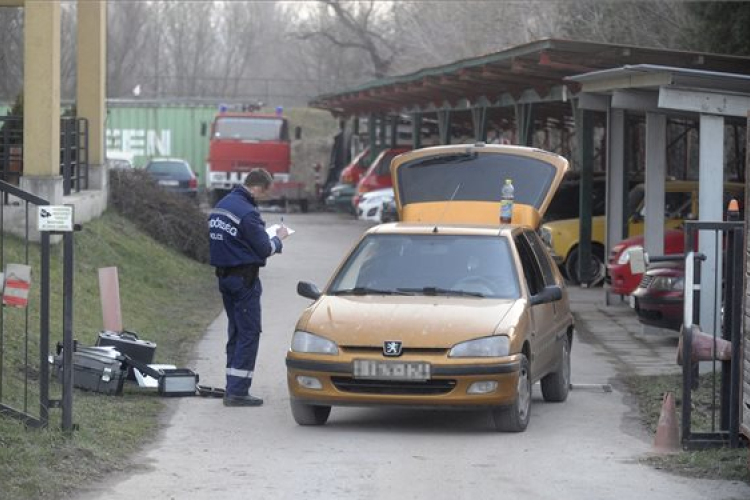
667	438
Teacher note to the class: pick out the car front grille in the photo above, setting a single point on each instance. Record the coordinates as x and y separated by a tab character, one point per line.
646	281
398	387
430	351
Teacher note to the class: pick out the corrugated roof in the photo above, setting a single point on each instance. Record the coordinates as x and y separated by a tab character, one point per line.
532	72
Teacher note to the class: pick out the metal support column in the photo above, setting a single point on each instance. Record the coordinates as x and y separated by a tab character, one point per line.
444	125
479	120
416	130
585	138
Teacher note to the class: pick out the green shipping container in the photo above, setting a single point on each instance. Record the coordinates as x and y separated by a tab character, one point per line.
152	129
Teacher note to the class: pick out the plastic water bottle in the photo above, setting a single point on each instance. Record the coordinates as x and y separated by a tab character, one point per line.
506	202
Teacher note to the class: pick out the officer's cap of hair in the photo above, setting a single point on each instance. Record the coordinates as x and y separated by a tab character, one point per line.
259	177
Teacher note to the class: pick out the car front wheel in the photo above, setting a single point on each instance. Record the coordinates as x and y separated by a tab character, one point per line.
555	386
515	418
305	414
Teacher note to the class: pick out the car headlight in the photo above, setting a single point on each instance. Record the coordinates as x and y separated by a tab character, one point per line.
625	255
307	342
546	235
668	283
486	347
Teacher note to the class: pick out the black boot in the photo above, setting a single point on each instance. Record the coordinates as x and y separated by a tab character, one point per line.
230	400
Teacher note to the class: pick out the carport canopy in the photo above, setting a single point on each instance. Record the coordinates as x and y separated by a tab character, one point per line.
658	92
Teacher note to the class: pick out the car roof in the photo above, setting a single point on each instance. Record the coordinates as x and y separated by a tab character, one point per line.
677	186
453	229
165	159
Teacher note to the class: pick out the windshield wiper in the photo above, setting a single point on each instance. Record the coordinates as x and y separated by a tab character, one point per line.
432	290
453	158
363	290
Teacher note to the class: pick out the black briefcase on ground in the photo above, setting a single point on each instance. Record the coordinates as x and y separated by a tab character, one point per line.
129	344
95	371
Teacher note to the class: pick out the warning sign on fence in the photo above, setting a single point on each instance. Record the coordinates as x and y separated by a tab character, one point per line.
16	285
55	218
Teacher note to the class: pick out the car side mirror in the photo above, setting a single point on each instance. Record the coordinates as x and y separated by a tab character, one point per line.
308	290
638	260
550	293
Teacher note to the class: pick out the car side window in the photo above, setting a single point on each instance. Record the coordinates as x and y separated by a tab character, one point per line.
384	167
531	270
542	257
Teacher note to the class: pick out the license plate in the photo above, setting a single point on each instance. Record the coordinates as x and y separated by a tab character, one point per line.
391	370
169	183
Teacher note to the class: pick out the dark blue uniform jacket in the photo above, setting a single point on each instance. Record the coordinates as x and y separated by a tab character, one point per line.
237	232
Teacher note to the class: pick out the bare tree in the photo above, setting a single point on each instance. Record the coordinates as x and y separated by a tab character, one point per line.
436	32
131	46
11	53
366	27
657	23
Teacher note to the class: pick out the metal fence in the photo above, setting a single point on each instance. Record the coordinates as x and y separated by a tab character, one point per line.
24	367
718	350
74	152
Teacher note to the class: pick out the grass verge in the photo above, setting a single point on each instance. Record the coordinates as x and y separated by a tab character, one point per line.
165	297
722	463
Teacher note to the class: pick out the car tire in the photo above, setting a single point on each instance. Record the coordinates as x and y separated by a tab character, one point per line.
599	269
305	414
556	385
515	418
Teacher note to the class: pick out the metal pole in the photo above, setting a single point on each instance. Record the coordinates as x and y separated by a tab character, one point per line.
44	333
416	131
67	409
735	335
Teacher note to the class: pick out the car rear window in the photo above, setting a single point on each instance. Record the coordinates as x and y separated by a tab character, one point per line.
474	177
398	262
172	169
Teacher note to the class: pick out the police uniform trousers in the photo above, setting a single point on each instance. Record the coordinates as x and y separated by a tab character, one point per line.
242	304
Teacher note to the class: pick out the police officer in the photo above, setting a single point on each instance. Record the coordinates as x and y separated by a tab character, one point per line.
239	247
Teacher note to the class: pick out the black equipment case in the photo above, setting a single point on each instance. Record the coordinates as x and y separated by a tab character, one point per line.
94	370
130	345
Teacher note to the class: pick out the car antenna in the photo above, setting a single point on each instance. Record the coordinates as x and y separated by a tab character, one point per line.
445	210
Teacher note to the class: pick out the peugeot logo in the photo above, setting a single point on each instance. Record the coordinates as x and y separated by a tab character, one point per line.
392	348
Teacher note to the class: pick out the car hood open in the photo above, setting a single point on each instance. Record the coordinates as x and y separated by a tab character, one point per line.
419	321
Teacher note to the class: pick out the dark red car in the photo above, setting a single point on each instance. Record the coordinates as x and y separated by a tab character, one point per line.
356	169
658	300
622	281
378	176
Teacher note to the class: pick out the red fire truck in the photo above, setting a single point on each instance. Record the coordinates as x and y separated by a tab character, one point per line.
242	141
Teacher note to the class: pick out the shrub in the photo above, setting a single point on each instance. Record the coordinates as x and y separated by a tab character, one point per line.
169	218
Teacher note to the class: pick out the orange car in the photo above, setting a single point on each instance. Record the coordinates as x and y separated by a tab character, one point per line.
447	308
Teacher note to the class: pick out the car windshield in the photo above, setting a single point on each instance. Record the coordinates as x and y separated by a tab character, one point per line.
474	266
171	169
249	128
